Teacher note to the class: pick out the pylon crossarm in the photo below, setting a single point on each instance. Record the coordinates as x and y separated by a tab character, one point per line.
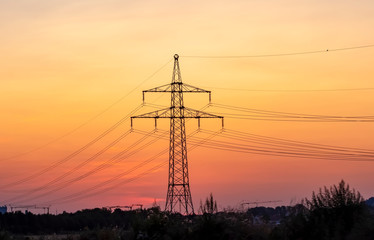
192	113
167	113
186	88
190	88
162	113
163	88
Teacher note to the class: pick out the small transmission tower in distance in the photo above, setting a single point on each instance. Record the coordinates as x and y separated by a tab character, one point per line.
178	197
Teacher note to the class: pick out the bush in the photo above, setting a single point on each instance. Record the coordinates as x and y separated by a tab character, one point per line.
333	213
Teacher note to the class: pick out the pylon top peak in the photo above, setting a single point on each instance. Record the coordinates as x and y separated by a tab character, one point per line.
176	56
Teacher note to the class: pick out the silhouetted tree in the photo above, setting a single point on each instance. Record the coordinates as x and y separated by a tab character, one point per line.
209	206
332	213
334	197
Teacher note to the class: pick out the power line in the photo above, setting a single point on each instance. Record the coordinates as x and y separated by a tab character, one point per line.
294	90
245	136
269	146
86	192
72	155
281	54
263	145
89	120
76	168
101	167
83	196
77	196
118	157
266	115
54	182
258	114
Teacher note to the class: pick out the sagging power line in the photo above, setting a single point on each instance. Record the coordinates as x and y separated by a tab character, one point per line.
89	120
258	144
281	54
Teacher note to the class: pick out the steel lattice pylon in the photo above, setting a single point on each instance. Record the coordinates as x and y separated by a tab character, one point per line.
178	198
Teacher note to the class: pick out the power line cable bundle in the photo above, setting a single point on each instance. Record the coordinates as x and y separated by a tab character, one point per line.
230	140
266	115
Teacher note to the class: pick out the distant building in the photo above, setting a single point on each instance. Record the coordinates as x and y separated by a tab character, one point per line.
3	209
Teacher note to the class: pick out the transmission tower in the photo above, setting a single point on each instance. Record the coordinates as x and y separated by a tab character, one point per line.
178	197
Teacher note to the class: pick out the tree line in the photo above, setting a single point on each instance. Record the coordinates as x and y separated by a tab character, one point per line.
335	213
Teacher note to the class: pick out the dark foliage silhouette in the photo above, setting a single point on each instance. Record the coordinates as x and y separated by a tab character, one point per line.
334	213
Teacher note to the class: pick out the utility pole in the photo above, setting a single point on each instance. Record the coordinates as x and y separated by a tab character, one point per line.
178	197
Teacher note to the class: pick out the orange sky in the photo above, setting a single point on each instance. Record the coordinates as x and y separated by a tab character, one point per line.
64	62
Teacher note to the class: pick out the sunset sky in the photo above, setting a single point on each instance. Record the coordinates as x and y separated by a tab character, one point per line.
69	70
